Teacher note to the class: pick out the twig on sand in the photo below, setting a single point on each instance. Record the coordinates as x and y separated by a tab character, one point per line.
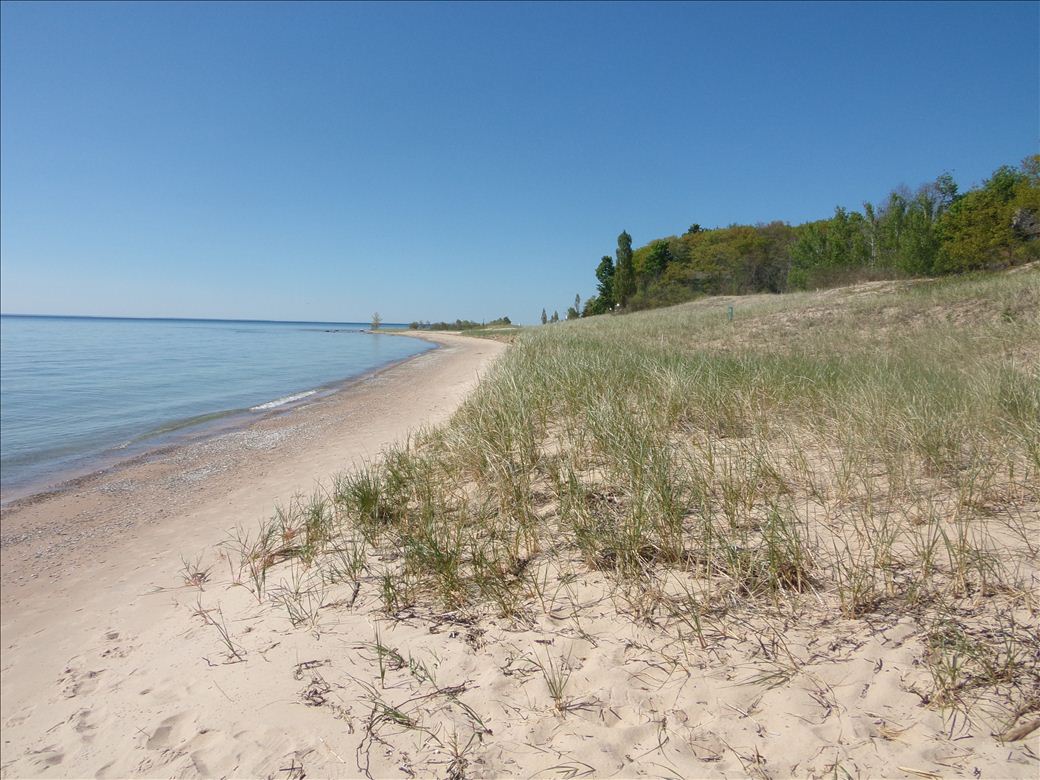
1021	731
920	773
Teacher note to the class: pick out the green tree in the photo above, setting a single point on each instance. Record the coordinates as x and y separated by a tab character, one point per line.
544	318
810	251
978	229
918	247
555	317
946	190
593	306
657	259
605	286
624	273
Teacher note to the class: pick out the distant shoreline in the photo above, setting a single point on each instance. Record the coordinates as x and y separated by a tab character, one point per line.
360	325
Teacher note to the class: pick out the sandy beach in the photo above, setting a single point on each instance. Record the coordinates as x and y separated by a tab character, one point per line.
97	622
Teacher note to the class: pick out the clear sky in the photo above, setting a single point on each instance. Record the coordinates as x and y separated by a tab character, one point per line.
434	161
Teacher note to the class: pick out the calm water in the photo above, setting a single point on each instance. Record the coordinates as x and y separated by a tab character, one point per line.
77	392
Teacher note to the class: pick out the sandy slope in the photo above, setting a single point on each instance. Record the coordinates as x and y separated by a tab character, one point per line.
101	672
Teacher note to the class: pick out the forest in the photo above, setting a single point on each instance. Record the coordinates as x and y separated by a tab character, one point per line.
931	231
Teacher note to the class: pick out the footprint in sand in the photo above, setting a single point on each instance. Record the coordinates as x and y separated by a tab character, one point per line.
82	724
120	651
46	757
17	720
706	745
77	683
161	736
117	652
164	735
181	748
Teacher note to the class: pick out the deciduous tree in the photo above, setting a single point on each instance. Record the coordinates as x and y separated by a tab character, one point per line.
978	230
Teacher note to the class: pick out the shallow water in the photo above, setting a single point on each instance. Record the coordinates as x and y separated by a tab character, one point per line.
77	392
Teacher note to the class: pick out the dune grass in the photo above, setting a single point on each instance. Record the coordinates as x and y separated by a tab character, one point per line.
872	450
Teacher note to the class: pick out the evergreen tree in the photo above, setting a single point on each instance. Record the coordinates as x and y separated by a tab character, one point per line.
605	286
555	317
657	259
544	318
624	273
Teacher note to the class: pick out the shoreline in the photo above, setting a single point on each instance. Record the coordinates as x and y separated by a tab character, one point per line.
174	434
149	488
94	608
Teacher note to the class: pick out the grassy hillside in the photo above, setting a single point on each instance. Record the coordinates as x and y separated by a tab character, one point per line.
866	454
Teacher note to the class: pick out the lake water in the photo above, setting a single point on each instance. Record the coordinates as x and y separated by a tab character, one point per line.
79	392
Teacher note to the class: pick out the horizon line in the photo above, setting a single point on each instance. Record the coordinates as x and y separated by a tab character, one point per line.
191	319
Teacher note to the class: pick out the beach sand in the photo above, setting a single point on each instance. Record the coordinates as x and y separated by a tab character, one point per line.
96	623
113	666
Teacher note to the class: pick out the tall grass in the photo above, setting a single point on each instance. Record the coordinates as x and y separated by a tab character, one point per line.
865	450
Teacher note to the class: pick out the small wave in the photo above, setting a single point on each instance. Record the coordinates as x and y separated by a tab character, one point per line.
282	401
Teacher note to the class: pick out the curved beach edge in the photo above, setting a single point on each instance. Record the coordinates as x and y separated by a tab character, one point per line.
179	434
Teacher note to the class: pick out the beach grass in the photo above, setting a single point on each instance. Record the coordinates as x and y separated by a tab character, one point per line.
857	454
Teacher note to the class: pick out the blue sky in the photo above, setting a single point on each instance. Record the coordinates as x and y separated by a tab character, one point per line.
436	161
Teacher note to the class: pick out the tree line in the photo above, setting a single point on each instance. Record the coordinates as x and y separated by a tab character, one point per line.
930	231
501	322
